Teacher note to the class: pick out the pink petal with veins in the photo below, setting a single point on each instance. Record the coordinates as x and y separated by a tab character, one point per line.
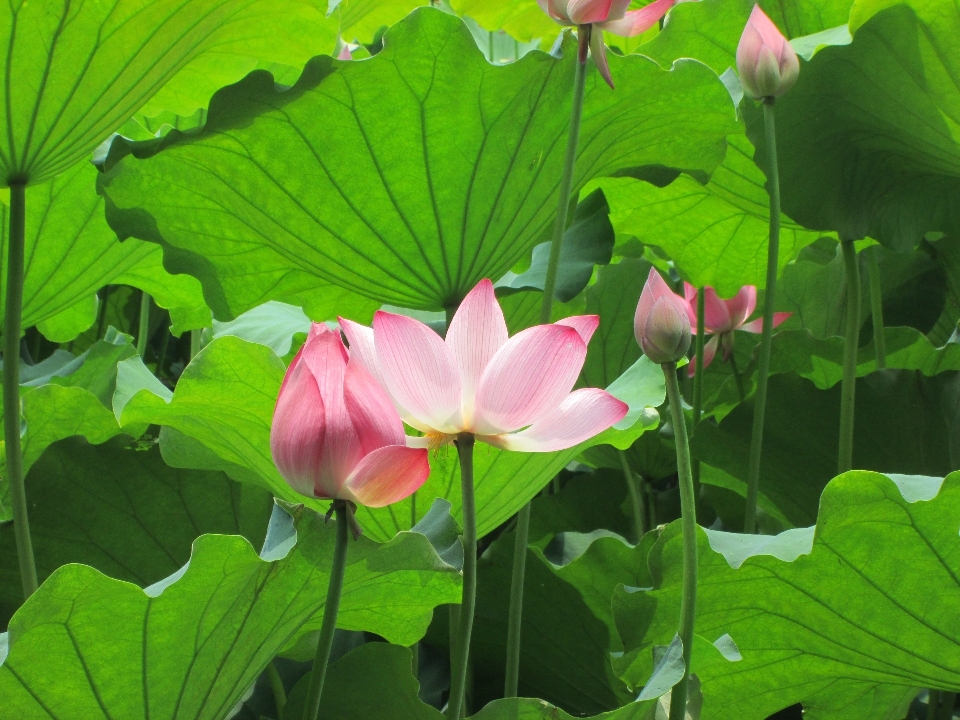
476	332
371	410
584	12
585	325
419	371
388	475
639	21
528	378
583	414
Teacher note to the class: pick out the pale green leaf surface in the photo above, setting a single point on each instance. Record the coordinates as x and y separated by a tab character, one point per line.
430	170
870	608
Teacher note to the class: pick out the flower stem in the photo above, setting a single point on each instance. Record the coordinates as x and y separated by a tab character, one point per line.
848	388
766	338
876	307
698	379
515	615
144	328
11	387
737	378
415	648
688	516
312	706
636	497
458	672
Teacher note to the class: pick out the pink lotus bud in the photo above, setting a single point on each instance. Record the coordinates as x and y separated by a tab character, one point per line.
767	65
335	432
661	325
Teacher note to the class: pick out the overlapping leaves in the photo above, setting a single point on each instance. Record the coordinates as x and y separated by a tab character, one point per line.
192	644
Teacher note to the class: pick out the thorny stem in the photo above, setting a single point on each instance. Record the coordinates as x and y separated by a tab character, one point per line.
848	387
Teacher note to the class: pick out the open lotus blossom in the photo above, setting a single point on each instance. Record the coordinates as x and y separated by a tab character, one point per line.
511	392
722	317
660	324
766	63
609	15
335	433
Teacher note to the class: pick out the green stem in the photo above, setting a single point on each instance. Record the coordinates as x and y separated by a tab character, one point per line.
415	648
636	497
738	378
276	685
876	307
144	329
688	516
102	311
312	706
933	704
566	185
698	379
458	672
515	613
11	387
848	388
490	46
164	346
766	338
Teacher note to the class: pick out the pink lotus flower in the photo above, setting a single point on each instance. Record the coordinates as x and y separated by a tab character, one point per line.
722	317
335	433
766	63
660	324
609	15
513	393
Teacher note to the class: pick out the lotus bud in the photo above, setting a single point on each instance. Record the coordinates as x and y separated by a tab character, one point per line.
661	324
767	65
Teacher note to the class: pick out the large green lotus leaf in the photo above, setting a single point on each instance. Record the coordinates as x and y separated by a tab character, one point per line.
191	645
710	30
407	177
716	233
867	139
905	423
848	617
225	400
71	252
83	68
123	511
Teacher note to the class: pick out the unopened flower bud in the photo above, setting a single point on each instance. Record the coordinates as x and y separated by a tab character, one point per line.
767	65
661	324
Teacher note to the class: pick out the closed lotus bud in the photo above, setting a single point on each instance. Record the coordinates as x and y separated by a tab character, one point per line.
767	65
661	324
